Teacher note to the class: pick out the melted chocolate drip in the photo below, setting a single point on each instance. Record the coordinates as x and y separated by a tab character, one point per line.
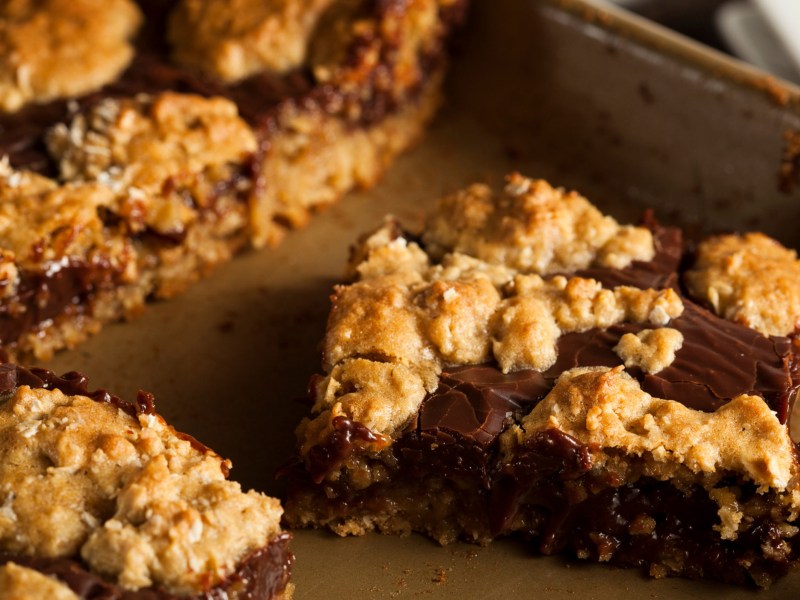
340	445
260	576
70	384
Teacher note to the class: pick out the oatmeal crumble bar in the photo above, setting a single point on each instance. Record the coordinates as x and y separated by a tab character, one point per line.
528	366
152	140
101	498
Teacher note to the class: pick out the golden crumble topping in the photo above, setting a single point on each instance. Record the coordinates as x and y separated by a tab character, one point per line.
751	279
392	331
529	322
233	39
62	48
150	151
21	583
137	502
44	223
605	408
533	228
404	35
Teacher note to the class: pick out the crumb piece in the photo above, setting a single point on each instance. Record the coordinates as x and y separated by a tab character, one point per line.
533	228
652	350
21	583
87	45
136	501
730	514
751	279
233	39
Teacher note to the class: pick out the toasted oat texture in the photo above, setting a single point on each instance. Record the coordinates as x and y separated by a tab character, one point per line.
530	322
20	583
391	332
533	228
135	500
60	48
234	39
751	279
607	408
136	146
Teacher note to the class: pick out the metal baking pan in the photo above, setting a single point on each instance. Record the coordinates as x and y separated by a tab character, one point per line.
595	100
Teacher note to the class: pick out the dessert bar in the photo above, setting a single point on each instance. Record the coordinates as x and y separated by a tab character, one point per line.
147	142
529	367
101	498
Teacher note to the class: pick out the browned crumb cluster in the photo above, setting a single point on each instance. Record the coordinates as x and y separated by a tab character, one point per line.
88	45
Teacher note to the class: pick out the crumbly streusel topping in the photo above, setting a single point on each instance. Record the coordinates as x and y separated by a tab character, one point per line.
607	410
136	146
751	279
233	39
529	323
401	35
62	48
42	223
533	228
21	583
392	332
139	504
137	159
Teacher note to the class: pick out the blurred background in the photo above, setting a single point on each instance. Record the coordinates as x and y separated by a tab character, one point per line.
765	33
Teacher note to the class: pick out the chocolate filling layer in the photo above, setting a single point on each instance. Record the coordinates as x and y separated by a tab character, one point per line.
260	576
549	493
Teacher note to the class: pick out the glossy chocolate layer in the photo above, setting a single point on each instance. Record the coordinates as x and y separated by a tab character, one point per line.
478	401
346	436
260	576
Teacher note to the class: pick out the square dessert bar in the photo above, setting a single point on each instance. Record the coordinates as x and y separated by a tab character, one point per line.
527	366
100	498
148	141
